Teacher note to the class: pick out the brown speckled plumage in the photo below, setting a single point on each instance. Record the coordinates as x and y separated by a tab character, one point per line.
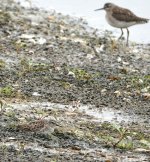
126	15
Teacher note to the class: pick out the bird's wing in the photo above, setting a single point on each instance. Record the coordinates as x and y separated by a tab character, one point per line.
126	15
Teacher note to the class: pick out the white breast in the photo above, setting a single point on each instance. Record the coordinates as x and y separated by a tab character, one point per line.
118	24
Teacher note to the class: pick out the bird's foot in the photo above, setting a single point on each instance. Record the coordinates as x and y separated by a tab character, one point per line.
121	38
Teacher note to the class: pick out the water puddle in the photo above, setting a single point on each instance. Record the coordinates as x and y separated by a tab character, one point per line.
106	114
99	115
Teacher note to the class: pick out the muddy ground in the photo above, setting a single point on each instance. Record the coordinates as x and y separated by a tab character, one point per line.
69	92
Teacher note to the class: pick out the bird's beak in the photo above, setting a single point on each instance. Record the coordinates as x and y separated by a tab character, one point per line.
99	9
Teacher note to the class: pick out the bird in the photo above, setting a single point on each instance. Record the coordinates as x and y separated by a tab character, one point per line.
122	18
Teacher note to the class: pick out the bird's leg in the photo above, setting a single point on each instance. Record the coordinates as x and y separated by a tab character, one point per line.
121	34
127	37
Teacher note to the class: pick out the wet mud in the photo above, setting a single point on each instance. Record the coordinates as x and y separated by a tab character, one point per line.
69	92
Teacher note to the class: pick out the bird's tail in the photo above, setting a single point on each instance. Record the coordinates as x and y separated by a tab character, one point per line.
146	20
143	20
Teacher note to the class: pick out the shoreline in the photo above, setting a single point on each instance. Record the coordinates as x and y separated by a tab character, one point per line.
52	58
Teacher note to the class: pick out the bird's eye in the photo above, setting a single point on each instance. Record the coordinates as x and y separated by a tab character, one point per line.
107	5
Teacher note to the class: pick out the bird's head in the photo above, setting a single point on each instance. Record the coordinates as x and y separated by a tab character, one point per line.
107	7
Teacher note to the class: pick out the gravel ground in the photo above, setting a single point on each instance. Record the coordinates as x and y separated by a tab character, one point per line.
47	57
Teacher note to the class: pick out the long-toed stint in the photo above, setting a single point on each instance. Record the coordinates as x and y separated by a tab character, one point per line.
121	18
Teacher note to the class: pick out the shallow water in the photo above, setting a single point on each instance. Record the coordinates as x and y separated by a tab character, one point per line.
85	9
100	115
